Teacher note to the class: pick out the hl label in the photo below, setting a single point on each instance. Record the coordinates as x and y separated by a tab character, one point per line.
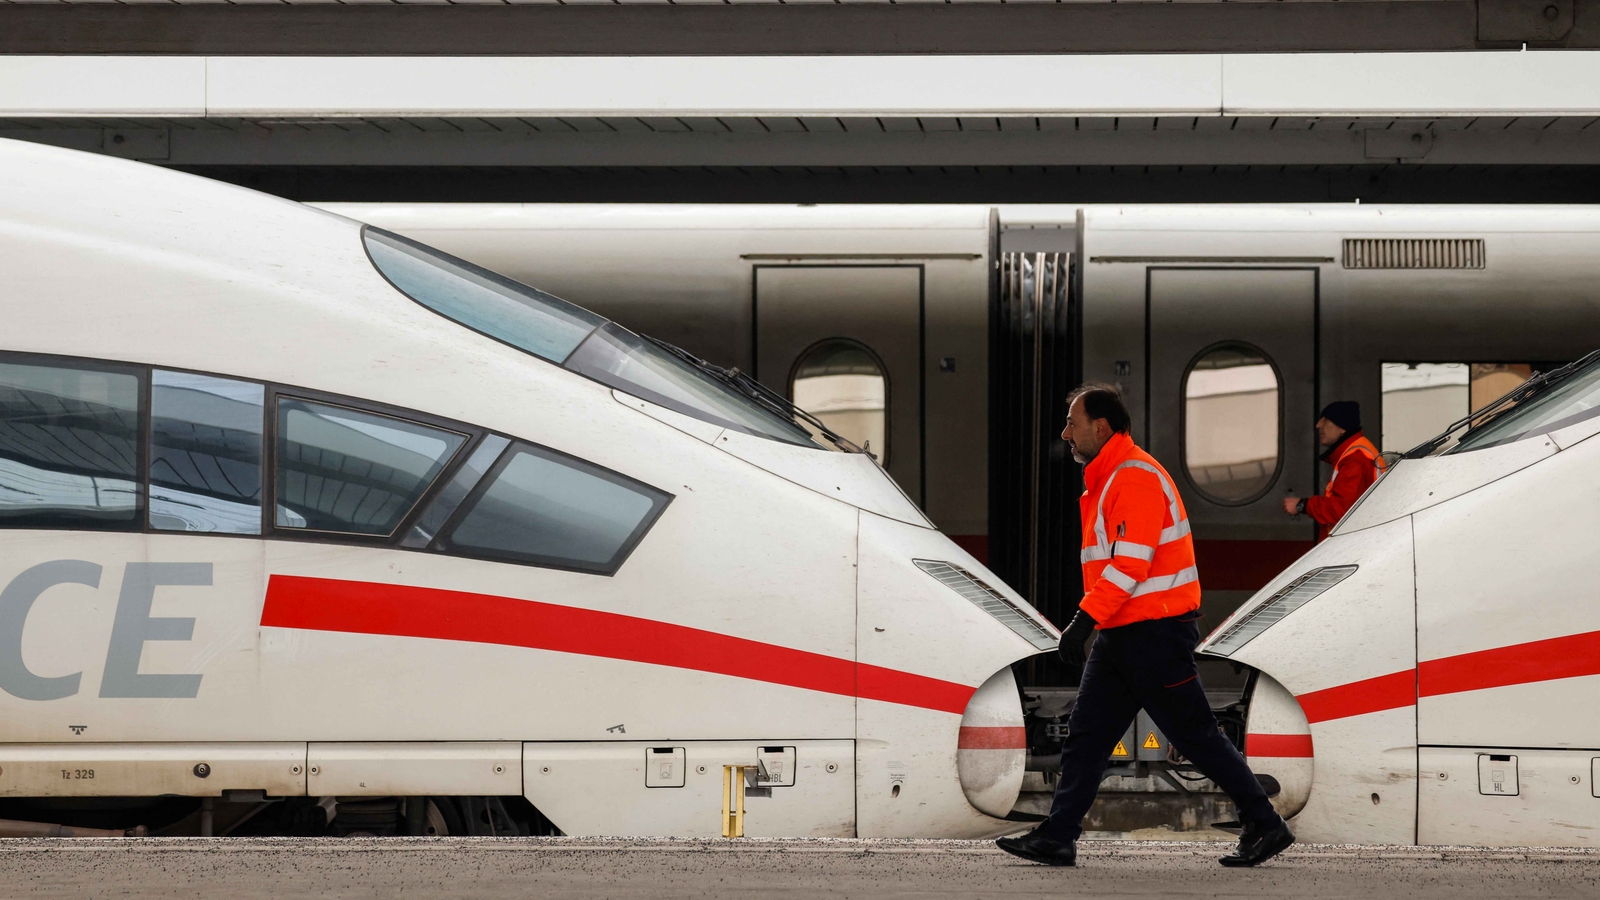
131	628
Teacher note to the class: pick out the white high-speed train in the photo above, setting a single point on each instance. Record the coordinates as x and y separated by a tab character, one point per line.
334	547
1445	679
1429	672
291	507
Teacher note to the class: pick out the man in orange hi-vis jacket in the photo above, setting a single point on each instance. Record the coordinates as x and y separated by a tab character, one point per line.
1141	601
1356	465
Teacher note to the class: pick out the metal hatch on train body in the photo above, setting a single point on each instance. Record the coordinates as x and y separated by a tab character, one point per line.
811	319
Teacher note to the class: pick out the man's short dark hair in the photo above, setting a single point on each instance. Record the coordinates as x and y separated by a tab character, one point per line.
1102	401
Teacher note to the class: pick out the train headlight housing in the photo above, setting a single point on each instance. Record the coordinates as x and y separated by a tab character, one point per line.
991	601
1289	598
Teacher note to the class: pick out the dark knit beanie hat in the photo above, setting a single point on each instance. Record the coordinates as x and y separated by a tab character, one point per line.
1344	413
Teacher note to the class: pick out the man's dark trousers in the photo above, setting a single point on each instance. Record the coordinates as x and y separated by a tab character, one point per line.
1148	665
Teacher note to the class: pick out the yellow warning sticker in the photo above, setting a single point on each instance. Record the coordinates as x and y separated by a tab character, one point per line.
1150	742
1121	750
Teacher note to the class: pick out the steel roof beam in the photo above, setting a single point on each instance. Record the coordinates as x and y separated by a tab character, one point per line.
1164	141
641	29
990	184
1476	83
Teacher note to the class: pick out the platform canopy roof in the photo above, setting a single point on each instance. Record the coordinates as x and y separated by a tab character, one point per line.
315	98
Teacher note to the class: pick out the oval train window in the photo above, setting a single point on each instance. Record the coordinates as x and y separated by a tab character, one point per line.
1231	434
843	384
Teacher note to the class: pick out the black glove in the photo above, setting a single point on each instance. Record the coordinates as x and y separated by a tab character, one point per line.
1072	639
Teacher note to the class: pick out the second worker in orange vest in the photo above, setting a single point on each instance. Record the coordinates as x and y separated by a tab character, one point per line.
1356	465
1141	602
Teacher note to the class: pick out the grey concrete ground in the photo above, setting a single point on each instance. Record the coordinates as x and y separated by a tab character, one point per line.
585	868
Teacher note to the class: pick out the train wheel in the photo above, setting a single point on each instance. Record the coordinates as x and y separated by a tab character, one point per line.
444	817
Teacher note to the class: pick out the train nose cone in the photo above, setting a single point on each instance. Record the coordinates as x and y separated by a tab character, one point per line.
993	748
1278	745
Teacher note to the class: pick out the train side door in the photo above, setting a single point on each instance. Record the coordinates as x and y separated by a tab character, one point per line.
844	343
1232	398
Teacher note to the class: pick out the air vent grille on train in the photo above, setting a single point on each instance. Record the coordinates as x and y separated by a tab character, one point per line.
1024	622
1413	253
1289	598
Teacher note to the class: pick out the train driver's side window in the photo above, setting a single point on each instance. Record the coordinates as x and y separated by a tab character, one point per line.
543	508
69	447
349	471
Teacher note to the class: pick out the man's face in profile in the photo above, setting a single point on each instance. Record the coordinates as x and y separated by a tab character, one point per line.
1084	436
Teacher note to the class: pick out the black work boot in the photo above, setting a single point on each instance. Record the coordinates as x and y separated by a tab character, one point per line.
1040	848
1259	843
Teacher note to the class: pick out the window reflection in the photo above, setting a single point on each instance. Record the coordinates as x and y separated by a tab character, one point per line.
842	383
546	509
453	494
68	448
1231	428
1568	401
1491	381
1420	400
353	472
205	453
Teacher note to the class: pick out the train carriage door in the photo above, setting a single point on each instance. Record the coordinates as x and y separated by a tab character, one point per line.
1232	398
844	343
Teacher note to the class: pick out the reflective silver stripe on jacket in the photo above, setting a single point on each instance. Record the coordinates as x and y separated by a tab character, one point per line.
1150	585
1133	551
1106	549
1103	548
1160	582
1120	578
1168	535
1377	463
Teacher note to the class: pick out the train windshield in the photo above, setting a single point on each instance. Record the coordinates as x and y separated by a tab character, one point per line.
490	304
1549	403
553	329
616	356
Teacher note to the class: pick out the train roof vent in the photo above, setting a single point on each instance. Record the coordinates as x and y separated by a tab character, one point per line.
992	602
1413	253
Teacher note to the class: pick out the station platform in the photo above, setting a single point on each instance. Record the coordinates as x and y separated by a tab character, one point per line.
280	868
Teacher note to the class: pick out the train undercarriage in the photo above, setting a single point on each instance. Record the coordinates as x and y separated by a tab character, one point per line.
252	814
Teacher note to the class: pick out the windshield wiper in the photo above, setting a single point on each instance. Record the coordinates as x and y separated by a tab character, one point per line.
778	402
766	397
1474	421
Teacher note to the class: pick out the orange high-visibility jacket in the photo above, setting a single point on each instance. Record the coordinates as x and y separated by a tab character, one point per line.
1356	465
1138	558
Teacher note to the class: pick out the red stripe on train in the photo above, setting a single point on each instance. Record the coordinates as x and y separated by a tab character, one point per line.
1571	656
1552	659
359	607
975	737
1361	697
1283	746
